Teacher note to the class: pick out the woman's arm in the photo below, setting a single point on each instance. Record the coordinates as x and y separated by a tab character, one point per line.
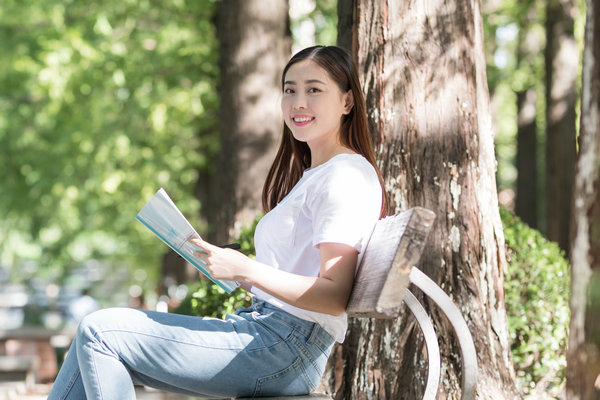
328	293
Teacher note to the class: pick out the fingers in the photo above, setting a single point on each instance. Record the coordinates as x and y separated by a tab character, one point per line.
204	245
219	261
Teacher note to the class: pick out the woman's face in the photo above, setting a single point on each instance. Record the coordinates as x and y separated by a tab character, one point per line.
313	104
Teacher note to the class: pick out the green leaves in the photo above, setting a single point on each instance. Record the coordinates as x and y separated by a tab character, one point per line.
100	105
537	304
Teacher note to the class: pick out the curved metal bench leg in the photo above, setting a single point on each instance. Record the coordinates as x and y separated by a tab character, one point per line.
433	349
465	340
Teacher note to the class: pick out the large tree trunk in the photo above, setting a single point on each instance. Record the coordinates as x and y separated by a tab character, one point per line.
423	70
255	42
561	59
583	357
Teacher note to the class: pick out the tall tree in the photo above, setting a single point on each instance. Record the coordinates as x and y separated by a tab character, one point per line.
528	48
561	59
526	201
583	357
254	46
423	71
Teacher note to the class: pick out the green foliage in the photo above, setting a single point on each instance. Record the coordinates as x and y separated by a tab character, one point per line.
101	103
246	238
537	304
514	42
208	299
313	23
514	39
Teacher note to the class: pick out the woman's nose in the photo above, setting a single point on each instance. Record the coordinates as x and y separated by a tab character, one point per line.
299	102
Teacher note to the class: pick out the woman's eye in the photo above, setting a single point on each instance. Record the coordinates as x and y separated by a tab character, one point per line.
288	91
313	90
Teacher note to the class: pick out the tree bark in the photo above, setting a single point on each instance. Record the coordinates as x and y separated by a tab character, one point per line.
423	71
255	43
583	356
526	203
561	59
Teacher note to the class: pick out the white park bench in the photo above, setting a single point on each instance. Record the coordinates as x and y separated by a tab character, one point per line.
382	285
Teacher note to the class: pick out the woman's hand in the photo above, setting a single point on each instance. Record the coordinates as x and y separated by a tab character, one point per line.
222	263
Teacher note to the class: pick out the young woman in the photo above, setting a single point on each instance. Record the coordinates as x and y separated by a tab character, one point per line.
323	196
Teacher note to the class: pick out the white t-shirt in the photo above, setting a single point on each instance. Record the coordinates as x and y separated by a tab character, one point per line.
338	201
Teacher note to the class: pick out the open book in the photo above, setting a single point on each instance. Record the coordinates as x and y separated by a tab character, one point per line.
164	219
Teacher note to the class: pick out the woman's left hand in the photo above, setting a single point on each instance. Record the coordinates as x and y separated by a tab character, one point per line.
222	263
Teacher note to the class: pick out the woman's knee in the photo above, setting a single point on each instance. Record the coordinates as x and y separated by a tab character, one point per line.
102	320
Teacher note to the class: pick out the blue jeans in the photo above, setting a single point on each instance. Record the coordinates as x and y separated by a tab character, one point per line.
258	351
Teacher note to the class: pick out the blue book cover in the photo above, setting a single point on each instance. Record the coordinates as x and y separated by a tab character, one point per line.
162	217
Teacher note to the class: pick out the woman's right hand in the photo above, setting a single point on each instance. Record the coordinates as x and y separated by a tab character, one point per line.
223	263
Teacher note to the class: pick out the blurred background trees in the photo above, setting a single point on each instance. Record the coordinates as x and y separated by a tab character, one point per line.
101	104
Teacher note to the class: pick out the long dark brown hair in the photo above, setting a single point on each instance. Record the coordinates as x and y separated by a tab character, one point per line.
293	156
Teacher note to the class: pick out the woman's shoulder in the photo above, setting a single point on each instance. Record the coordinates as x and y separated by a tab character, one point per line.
350	165
349	182
345	175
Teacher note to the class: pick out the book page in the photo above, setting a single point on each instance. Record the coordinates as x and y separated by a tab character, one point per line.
162	217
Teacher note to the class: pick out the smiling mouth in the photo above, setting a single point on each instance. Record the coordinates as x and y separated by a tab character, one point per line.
302	120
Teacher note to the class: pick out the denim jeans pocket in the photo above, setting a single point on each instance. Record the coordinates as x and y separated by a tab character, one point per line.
289	381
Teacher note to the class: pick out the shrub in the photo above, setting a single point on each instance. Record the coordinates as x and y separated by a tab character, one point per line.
537	305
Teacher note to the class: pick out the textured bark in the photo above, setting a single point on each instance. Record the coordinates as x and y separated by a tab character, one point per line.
561	59
526	203
255	44
583	356
423	70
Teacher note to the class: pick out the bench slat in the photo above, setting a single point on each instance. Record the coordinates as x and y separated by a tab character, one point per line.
382	278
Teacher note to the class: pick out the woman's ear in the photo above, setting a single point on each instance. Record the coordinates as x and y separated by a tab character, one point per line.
348	102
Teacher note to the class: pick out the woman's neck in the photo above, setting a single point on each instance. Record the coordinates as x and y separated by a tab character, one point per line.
323	150
320	157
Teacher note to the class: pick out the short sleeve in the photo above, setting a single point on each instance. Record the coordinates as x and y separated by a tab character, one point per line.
346	205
